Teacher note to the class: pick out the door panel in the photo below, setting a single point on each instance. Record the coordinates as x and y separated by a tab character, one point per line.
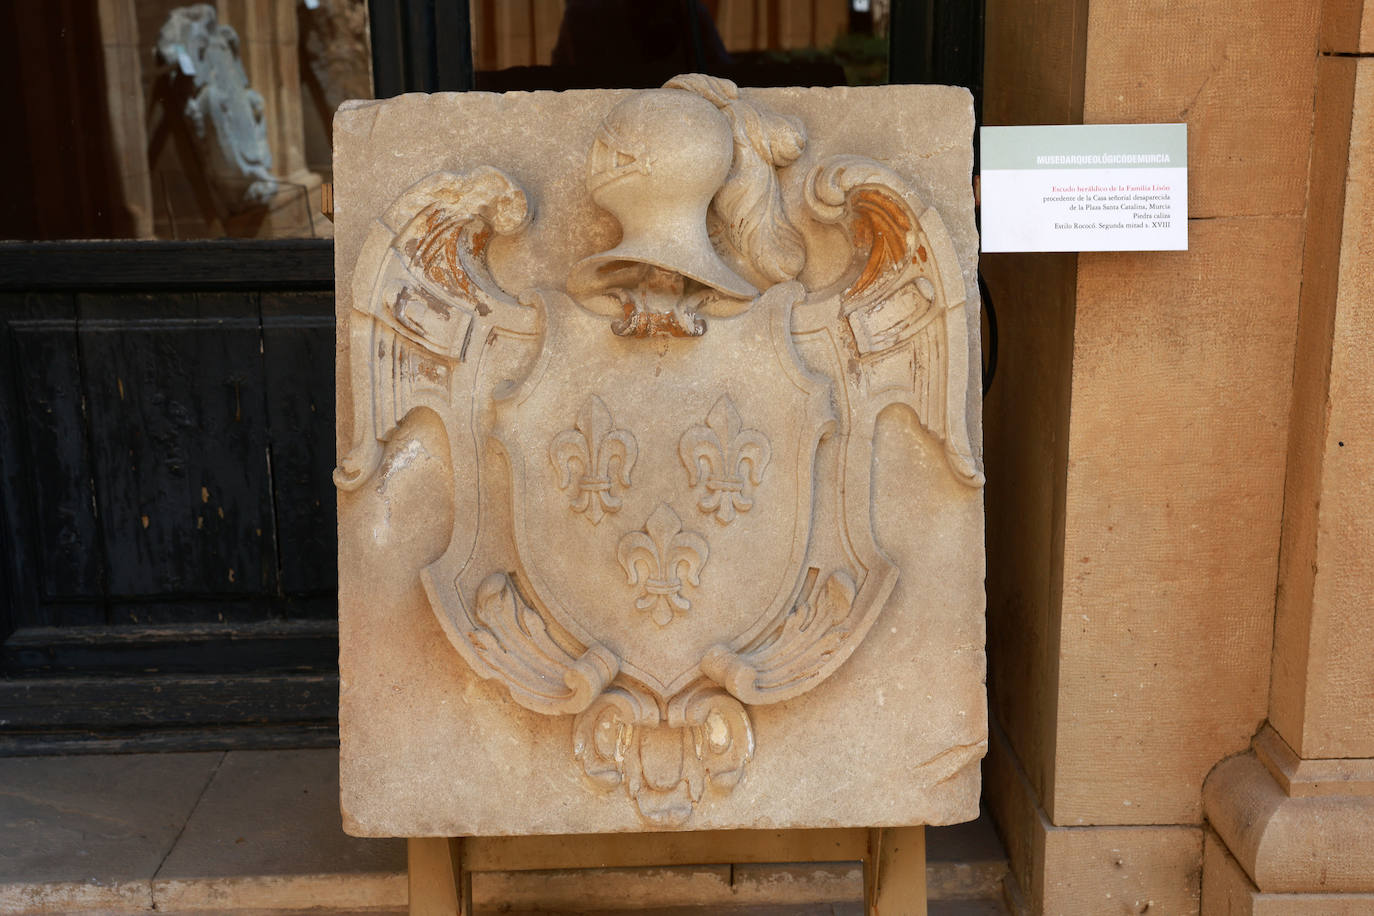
166	446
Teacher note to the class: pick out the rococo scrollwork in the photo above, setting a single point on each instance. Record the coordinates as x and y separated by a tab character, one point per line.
650	433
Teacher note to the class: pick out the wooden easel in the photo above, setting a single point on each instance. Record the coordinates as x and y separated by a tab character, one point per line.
894	860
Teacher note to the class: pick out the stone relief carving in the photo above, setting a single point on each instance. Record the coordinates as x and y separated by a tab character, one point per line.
725	461
601	456
665	554
665	763
514	644
712	389
225	114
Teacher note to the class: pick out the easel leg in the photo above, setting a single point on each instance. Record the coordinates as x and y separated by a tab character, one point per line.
875	843
895	872
440	885
462	878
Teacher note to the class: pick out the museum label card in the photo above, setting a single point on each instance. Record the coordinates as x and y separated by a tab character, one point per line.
1085	187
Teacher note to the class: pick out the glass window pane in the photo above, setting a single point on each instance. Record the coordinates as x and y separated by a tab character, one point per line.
167	119
568	44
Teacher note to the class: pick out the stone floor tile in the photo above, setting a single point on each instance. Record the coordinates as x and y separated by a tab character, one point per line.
810	883
965	861
974	841
268	833
91	831
258	832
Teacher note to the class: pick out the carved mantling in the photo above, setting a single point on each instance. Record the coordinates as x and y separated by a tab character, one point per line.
905	311
426	296
673	521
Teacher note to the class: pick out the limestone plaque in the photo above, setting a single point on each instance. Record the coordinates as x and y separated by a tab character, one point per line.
660	493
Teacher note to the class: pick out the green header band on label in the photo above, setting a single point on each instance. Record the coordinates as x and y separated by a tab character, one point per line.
1085	146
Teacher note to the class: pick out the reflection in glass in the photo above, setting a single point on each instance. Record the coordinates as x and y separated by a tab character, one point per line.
573	44
178	120
183	120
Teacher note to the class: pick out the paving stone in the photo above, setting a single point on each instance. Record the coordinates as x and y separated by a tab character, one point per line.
91	831
965	861
259	834
268	833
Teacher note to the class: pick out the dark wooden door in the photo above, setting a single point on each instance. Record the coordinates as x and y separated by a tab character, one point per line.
167	555
167	531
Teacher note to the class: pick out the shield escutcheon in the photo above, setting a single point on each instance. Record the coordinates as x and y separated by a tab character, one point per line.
662	488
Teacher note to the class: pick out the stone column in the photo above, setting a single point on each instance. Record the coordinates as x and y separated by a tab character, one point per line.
1137	444
124	98
269	44
1292	820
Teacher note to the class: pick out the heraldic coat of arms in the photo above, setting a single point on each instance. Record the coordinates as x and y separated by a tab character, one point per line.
663	467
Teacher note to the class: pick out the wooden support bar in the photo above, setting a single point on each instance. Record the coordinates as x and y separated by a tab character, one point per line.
893	860
433	881
873	846
632	850
900	873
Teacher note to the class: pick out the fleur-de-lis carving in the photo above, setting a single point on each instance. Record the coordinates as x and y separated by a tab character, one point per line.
591	458
724	461
668	555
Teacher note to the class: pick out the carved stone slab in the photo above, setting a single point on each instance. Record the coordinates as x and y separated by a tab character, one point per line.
660	492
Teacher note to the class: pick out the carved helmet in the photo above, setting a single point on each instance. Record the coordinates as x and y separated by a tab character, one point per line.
658	159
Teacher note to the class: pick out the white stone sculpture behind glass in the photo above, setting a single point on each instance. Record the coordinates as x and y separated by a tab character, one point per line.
660	497
224	113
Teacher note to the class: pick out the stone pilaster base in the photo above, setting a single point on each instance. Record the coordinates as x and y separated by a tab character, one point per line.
1288	836
1085	870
